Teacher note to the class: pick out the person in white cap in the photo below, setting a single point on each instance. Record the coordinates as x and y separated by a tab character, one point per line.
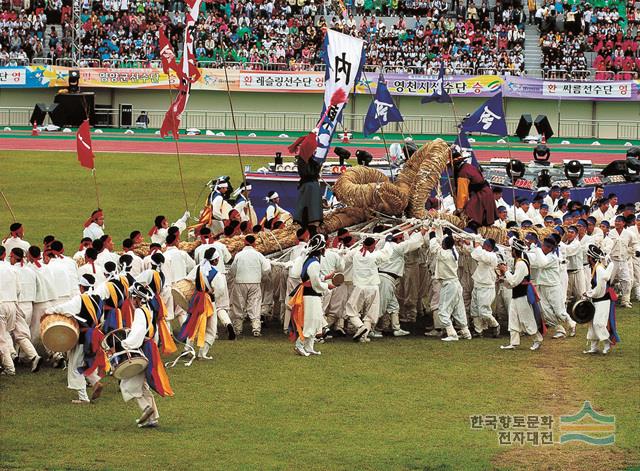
484	287
219	206
86	308
160	229
275	215
602	328
243	204
248	268
521	314
451	303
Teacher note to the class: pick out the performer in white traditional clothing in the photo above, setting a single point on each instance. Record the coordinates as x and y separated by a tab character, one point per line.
521	314
311	290
635	259
8	311
546	260
86	308
64	271
94	226
243	204
484	287
137	266
275	215
573	252
602	327
621	251
177	265
220	207
26	295
247	269
390	272
209	286
141	336
160	229
451	303
296	259
16	238
365	297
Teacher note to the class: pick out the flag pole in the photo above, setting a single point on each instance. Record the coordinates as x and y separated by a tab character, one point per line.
384	140
233	116
513	188
6	201
175	140
95	184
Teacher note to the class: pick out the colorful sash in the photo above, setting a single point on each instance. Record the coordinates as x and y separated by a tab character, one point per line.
200	309
156	375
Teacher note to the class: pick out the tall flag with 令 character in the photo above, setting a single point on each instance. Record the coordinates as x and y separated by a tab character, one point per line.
84	146
439	94
188	74
489	118
344	59
382	110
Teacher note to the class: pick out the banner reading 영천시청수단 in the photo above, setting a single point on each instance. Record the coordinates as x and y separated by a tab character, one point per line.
45	76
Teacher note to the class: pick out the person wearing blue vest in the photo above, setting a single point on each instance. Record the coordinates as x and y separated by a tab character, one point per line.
522	314
307	315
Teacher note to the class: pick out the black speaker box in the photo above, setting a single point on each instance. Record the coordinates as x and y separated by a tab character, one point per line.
524	126
543	127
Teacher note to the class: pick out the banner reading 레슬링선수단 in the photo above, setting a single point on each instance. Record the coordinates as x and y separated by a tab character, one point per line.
399	84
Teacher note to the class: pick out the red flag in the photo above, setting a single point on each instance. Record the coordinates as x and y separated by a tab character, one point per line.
83	142
167	55
172	117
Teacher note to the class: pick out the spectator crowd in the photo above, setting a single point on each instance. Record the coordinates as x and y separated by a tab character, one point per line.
605	30
417	36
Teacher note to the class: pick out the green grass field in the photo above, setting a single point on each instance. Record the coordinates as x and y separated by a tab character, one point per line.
389	405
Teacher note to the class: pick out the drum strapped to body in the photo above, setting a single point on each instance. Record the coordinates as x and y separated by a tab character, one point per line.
182	292
124	363
58	332
583	311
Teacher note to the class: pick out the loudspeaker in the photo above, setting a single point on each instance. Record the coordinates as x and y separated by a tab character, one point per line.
617	167
39	114
74	81
543	127
73	109
524	126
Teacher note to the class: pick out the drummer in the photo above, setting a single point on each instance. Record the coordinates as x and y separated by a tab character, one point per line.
87	360
142	334
602	327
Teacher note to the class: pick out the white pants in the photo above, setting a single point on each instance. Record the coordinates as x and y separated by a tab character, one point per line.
598	326
451	304
313	318
635	265
75	379
21	333
522	320
553	308
388	301
366	301
576	285
622	275
7	322
482	297
336	305
245	300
